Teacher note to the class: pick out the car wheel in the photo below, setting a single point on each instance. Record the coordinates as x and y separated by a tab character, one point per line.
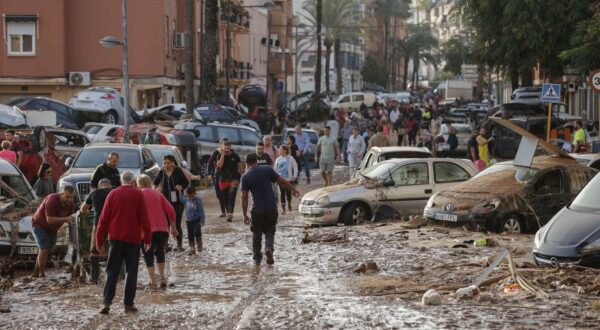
110	117
204	167
511	224
354	214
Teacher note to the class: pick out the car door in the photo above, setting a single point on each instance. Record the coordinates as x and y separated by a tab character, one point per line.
148	158
447	174
549	194
411	190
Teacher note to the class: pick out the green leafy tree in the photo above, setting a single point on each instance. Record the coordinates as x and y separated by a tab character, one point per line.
456	52
373	71
584	55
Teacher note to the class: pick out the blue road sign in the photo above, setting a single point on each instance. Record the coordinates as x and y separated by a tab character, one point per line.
551	93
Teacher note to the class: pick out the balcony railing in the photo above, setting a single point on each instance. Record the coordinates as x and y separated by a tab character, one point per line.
237	14
239	70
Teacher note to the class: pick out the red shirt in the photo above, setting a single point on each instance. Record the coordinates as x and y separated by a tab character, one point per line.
9	155
51	207
124	217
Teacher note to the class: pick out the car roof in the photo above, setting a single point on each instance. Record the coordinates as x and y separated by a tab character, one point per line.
114	145
8	168
401	149
93	123
544	162
303	130
159	146
60	129
588	156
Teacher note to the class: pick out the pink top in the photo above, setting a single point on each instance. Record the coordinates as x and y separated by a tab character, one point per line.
158	209
9	155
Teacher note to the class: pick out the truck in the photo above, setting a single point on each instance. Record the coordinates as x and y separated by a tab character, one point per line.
454	89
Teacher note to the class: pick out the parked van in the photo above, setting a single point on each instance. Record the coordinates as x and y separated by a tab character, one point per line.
352	101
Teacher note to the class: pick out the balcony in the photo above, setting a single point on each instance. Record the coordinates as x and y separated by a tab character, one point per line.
239	71
239	17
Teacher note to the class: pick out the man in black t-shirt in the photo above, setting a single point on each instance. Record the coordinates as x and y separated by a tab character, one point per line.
95	201
231	168
262	157
107	170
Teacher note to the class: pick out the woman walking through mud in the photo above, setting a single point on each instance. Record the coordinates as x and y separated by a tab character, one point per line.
171	182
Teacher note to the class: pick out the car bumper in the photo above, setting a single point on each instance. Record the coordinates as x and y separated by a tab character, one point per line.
312	215
544	260
459	217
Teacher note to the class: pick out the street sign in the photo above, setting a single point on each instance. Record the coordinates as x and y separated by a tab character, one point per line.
594	81
551	93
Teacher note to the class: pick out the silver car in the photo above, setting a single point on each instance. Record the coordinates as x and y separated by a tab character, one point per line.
379	154
397	187
106	104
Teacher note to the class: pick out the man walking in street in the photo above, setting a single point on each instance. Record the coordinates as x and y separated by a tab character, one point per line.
231	169
258	180
328	150
379	140
356	149
263	158
125	219
303	142
107	170
55	210
269	148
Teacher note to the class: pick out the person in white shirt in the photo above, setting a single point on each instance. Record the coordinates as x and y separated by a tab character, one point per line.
334	127
356	150
394	116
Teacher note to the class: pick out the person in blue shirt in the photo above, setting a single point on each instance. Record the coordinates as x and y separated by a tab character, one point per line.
195	216
303	142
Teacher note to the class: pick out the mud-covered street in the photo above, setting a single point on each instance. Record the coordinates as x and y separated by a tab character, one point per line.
318	282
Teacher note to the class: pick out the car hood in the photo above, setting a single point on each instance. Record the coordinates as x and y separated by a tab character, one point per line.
465	195
570	228
351	187
85	174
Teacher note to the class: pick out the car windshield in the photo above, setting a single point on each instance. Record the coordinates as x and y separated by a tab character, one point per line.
159	153
378	170
587	199
92	157
19	185
522	174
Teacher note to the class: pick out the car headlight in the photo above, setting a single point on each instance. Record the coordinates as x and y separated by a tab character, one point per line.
62	184
323	201
492	205
592	247
430	201
537	239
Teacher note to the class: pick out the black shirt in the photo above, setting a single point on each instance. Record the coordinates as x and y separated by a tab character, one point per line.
97	198
264	159
170	182
106	172
230	171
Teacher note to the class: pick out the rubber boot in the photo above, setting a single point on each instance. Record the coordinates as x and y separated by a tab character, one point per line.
95	269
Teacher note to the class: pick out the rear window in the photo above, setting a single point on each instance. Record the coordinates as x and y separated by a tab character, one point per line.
404	154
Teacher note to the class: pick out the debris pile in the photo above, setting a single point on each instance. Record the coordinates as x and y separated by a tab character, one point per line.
325	238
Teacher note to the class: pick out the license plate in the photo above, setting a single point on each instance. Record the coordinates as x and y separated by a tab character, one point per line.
305	209
445	217
27	250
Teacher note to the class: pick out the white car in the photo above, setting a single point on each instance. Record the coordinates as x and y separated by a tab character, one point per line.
17	205
100	132
172	109
396	187
106	104
352	101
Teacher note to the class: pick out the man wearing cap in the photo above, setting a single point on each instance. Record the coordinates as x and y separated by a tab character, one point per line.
328	150
96	201
263	217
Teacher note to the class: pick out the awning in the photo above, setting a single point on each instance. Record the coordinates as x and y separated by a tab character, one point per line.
20	18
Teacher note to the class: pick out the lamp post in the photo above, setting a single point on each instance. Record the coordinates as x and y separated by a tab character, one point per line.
109	42
298	26
266	5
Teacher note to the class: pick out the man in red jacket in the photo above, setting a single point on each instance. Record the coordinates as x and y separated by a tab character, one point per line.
125	219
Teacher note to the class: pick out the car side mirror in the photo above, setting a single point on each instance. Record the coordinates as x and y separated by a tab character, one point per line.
148	164
388	183
69	161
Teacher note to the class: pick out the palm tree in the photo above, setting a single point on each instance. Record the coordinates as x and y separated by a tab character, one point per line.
389	11
418	46
338	25
211	48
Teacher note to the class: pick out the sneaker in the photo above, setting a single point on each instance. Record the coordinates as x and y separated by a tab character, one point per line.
130	309
180	248
290	207
200	246
105	309
191	251
229	217
283	210
269	254
223	215
163	284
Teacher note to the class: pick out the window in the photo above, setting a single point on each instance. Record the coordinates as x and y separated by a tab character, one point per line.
447	172
147	156
230	133
345	99
94	129
249	138
60	109
411	174
205	133
64	139
359	97
20	38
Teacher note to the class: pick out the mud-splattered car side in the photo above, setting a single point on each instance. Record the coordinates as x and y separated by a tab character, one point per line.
511	198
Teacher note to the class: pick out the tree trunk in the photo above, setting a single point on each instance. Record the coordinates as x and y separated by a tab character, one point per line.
328	43
415	71
527	78
514	79
337	44
189	57
211	48
319	49
386	26
405	80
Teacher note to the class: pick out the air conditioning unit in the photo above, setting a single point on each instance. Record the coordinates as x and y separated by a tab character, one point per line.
79	78
179	40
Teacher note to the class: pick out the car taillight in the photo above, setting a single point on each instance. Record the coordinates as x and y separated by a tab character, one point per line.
107	97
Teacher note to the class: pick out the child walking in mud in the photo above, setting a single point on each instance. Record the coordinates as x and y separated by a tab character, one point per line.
195	217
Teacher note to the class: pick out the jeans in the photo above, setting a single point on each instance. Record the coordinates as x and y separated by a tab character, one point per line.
130	253
353	162
284	194
400	139
263	222
159	242
219	193
179	207
305	165
345	151
194	232
229	195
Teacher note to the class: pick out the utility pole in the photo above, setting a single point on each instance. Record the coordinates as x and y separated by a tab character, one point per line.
228	56
125	73
319	48
202	91
189	57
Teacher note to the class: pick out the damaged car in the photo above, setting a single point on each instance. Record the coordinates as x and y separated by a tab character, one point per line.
396	187
379	154
573	235
515	196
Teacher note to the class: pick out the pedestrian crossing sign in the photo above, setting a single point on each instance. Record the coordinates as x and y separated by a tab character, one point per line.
551	93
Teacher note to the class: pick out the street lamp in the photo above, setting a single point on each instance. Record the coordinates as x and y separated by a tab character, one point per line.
268	4
109	42
298	26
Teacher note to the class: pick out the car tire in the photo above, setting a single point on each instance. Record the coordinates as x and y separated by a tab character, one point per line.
204	167
510	224
354	213
110	117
